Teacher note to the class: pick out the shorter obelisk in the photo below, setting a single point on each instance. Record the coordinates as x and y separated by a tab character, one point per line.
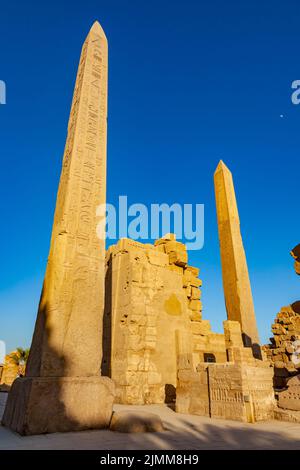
236	282
62	389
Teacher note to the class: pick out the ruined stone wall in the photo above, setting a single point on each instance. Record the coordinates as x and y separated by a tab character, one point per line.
240	389
151	293
284	350
286	332
296	255
10	370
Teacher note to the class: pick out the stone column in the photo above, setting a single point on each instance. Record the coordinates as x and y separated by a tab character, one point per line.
236	282
63	390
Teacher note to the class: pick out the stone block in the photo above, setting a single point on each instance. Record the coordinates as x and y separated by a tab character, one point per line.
195	315
290	398
157	258
236	282
194	271
188	291
166	238
195	305
171	246
135	422
233	334
195	282
195	293
201	328
154	378
179	258
151	331
176	269
137	272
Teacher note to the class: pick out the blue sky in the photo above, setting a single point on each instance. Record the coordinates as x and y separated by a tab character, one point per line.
190	82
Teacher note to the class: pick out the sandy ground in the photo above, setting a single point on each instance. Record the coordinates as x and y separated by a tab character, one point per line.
181	432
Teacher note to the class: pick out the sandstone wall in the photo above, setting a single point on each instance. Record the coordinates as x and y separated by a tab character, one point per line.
284	349
239	389
286	332
296	255
290	397
10	370
151	293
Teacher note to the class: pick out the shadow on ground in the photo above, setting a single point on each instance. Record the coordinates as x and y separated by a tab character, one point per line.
181	432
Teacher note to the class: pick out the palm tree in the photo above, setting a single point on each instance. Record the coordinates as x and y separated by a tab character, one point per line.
20	357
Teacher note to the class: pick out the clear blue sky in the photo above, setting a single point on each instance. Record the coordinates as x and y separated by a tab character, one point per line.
190	82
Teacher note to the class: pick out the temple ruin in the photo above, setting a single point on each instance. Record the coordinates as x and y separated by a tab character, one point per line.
125	324
284	354
159	349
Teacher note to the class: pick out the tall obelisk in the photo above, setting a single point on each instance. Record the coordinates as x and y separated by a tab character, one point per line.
236	282
63	390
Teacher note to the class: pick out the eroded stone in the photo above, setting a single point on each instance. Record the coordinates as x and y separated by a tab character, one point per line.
135	422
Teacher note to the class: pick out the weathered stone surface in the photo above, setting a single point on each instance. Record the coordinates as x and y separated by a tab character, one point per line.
236	386
233	334
146	304
65	356
290	398
284	345
232	391
74	282
201	327
236	282
195	305
179	258
290	416
39	405
135	421
284	348
240	355
296	255
10	371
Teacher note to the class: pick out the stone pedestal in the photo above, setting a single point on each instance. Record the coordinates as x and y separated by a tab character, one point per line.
39	405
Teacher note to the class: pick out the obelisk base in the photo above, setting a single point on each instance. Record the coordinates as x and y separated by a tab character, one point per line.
39	405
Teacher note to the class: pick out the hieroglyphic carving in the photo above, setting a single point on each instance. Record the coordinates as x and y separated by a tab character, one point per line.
63	390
